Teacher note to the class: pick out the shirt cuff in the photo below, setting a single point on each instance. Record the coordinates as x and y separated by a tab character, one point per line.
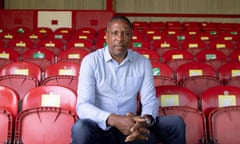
103	120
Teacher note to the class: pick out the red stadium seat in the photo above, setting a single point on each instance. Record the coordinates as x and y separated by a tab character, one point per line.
162	46
224	125
175	100
193	46
8	56
63	74
20	45
163	74
72	55
20	76
80	43
40	56
229	73
175	58
51	44
214	58
47	117
219	96
197	77
150	54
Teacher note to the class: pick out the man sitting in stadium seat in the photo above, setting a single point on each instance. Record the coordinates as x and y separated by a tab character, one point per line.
109	82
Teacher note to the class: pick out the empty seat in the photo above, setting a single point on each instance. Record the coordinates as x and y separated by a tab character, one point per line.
63	74
197	77
20	76
72	55
175	100
8	113
48	114
163	74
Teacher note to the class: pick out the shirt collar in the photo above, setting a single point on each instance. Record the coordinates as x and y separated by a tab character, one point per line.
108	57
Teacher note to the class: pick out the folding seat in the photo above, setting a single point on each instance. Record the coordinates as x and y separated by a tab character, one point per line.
229	74
224	125
80	44
20	30
205	37
137	36
20	45
192	33
163	74
8	112
84	36
140	25
8	55
20	76
174	34
34	36
228	37
72	55
47	116
159	25
162	46
136	44
234	56
197	77
44	32
224	26
190	25
175	58
100	35
221	45
193	46
63	74
100	44
150	54
174	25
63	34
175	100
155	36
8	36
53	45
40	56
219	96
212	57
87	30
206	26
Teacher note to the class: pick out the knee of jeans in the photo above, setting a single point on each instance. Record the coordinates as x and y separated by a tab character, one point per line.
180	122
79	126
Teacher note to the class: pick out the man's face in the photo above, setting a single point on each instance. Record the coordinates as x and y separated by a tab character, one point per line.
118	38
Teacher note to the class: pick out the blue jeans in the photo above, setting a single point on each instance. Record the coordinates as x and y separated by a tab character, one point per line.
167	129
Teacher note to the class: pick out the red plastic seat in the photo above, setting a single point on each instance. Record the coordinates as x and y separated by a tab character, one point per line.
20	76
40	56
234	56
163	74
20	45
159	25
47	117
8	112
136	44
72	55
214	58
175	58
80	43
224	125
63	34
175	100
219	96
150	54
193	46
162	46
226	47
197	77
44	32
8	56
53	45
63	74
229	73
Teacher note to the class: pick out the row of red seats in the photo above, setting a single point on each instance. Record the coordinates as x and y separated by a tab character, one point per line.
45	104
47	115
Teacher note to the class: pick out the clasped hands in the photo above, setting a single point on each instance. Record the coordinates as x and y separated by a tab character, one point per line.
134	127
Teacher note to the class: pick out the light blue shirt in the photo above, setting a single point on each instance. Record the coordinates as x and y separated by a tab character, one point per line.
107	87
